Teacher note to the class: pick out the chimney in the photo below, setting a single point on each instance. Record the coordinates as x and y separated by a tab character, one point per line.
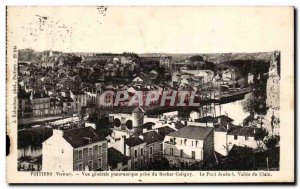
219	119
228	126
145	130
141	137
57	133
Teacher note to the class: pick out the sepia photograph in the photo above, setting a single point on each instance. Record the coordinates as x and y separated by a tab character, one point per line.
104	94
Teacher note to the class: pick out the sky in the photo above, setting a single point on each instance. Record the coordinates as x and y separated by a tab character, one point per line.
146	29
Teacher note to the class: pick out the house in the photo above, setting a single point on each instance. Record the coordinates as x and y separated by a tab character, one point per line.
91	97
189	146
48	64
80	99
137	80
221	124
164	61
118	161
244	136
68	105
40	104
153	148
74	150
55	106
135	149
24	103
206	76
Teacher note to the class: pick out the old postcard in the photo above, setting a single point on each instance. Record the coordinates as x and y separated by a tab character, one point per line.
105	94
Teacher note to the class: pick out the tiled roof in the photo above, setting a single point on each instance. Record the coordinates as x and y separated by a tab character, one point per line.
211	119
179	125
220	127
78	92
133	141
242	131
192	132
163	131
148	125
80	136
151	137
207	119
225	118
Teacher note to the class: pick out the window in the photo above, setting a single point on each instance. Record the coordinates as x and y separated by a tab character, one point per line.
142	163
100	149
96	164
90	151
80	154
185	140
85	152
246	138
142	151
192	143
90	165
171	151
161	147
171	140
151	150
95	150
99	162
76	156
196	143
181	142
135	154
80	167
193	155
181	153
135	165
235	137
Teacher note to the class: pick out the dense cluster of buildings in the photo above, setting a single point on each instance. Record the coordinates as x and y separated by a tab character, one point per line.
69	84
138	142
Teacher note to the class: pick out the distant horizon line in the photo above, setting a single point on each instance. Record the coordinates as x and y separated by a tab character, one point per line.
93	52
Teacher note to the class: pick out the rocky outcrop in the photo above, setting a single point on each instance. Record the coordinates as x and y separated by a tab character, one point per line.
272	118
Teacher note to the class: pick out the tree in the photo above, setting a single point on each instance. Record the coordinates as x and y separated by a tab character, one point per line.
248	103
259	136
272	142
196	58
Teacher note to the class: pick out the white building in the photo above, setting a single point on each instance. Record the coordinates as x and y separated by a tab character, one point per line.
74	150
244	137
189	145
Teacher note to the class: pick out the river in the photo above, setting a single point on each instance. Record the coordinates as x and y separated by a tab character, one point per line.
234	110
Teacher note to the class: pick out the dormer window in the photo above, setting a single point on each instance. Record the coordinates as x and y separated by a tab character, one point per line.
89	140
